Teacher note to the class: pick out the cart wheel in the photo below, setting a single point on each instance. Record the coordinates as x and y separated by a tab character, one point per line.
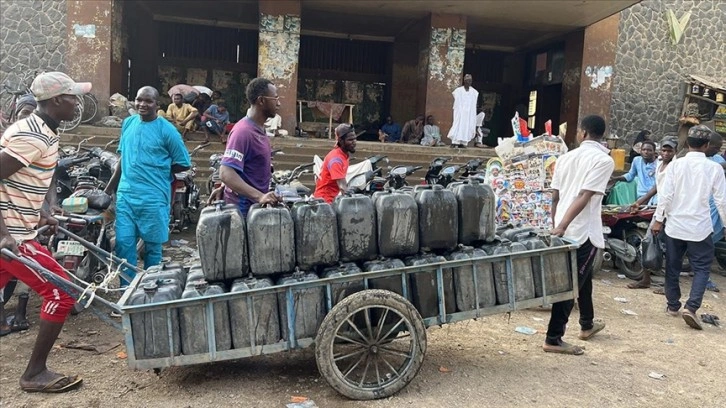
370	345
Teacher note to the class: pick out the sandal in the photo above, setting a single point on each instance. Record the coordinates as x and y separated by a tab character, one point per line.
564	348
659	291
587	334
19	325
54	386
5	332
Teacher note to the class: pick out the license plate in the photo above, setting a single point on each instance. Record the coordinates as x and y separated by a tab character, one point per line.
71	248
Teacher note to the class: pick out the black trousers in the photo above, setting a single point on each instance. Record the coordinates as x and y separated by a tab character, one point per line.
561	310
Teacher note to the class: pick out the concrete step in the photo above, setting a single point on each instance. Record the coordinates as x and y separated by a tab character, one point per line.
300	150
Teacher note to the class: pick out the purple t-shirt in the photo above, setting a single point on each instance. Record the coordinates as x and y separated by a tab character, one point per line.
248	153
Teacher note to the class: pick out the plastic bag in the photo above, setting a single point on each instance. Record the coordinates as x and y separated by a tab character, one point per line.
652	252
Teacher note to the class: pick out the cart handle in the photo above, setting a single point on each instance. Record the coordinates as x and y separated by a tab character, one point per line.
66	286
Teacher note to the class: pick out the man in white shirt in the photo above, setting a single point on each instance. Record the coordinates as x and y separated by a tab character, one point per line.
578	184
689	183
272	125
464	127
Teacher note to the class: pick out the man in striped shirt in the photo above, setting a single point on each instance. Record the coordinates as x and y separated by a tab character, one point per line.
28	157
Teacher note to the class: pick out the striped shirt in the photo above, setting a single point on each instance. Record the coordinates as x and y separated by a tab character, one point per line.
31	142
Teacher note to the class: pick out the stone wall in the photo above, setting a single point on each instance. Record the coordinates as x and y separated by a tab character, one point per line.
33	38
649	69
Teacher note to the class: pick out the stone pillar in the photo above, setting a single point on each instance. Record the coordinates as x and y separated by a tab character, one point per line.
89	46
404	81
279	48
598	68
569	107
440	67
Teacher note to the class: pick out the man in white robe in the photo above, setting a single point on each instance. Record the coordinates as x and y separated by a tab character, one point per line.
464	126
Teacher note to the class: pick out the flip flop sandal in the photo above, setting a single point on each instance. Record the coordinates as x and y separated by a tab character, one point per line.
710	319
659	291
53	387
596	328
564	348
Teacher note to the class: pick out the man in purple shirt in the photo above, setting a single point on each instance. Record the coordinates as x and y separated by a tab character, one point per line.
245	169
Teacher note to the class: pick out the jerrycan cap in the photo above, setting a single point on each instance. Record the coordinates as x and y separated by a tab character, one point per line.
151	287
200	285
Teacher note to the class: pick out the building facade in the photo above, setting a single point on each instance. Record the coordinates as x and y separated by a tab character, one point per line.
548	60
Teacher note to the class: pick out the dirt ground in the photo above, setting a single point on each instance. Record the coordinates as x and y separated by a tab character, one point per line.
468	364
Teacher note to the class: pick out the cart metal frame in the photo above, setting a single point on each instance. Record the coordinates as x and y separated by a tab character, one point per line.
293	342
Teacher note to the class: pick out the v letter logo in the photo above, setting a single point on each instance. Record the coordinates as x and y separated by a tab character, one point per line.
677	26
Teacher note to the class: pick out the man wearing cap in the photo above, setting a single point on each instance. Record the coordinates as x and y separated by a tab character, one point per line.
689	183
151	152
335	166
28	156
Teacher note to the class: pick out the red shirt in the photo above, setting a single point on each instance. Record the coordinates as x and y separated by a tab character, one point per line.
335	167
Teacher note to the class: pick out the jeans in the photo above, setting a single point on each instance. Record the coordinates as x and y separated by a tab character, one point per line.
561	310
700	256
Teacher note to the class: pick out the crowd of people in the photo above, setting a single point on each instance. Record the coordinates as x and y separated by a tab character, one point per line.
690	190
151	148
468	125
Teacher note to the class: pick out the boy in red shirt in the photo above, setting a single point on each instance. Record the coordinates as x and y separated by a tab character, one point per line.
335	166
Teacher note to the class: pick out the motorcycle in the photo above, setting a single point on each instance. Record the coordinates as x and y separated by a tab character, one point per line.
93	222
286	184
185	201
396	178
623	232
434	171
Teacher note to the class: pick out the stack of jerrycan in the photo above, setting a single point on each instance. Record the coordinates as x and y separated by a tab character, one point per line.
193	321
150	330
521	269
476	205
308	306
222	242
271	240
438	231
555	267
357	238
471	295
254	318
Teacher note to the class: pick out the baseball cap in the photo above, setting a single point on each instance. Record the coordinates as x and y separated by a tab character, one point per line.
344	129
669	142
701	132
51	84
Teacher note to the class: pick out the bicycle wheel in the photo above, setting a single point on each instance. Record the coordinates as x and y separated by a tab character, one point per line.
90	108
72	124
